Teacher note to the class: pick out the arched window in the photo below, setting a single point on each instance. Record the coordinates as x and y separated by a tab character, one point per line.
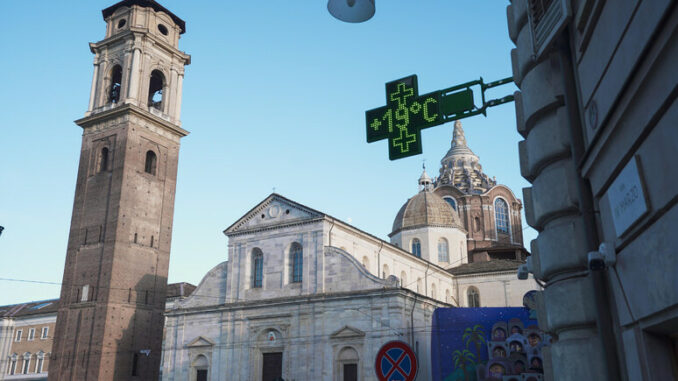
116	83
347	364
297	261
501	216
473	297
40	361
403	279
451	201
103	160
155	87
27	363
257	267
433	290
416	247
151	162
385	272
201	367
12	364
443	251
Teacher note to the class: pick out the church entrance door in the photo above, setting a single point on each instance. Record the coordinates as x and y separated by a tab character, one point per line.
350	372
201	375
272	367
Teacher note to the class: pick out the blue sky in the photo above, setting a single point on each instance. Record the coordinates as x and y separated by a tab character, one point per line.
274	98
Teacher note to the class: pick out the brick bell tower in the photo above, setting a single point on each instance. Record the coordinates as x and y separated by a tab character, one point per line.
110	319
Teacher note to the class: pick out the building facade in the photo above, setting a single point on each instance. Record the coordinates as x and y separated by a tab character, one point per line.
26	338
306	296
27	334
110	321
597	108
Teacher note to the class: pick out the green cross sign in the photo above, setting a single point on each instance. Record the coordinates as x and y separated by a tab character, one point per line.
406	113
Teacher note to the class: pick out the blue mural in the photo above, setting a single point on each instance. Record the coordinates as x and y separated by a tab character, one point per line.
486	344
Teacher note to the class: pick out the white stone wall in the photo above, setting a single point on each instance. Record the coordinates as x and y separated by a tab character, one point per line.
502	289
310	335
347	299
397	261
275	245
429	237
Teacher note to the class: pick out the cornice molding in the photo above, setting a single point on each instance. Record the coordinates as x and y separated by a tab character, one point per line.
129	108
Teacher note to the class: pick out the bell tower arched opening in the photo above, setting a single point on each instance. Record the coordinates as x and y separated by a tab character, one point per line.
155	90
116	84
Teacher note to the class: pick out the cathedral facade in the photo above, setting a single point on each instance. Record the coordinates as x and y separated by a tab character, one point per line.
305	296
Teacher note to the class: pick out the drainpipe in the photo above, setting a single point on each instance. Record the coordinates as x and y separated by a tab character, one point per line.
414	303
428	264
604	319
379	259
330	233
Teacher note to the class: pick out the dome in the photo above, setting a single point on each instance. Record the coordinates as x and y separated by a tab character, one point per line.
425	209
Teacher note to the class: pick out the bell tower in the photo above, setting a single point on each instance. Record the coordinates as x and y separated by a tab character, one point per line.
110	319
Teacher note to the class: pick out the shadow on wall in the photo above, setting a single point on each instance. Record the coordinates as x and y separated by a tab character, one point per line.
139	344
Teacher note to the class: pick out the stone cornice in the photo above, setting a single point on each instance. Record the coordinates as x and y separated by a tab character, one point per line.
92	119
450	226
259	229
95	46
234	228
306	299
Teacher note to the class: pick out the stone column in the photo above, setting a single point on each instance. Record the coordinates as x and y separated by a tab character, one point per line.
172	96
177	102
93	90
133	91
559	254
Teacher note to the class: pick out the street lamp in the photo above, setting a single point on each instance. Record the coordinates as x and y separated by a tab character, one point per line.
351	10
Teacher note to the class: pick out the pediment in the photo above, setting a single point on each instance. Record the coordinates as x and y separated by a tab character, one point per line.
347	333
274	210
200	341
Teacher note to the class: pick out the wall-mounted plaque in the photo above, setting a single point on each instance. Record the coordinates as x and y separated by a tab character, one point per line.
627	198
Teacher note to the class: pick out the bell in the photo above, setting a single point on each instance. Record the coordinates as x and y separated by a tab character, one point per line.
351	10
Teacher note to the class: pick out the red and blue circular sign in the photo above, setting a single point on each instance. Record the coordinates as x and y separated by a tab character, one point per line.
396	362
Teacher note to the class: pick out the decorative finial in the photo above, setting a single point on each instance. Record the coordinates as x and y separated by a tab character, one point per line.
424	180
458	139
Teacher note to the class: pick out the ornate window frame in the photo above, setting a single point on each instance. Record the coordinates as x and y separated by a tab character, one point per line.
508	218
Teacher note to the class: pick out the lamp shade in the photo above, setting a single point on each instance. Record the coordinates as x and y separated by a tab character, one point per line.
351	10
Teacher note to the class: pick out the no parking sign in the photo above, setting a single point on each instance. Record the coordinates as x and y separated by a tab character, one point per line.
396	362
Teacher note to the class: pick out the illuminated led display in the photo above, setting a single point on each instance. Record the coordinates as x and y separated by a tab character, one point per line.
406	113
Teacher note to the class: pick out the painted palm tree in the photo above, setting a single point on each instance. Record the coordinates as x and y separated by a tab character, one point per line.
461	358
474	335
